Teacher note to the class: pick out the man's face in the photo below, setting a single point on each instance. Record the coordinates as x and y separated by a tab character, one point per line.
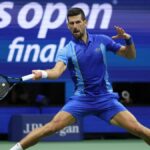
77	26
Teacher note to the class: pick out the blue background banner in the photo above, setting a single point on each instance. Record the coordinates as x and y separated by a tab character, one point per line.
31	32
24	124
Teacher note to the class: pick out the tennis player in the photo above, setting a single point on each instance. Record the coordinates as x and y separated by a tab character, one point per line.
84	56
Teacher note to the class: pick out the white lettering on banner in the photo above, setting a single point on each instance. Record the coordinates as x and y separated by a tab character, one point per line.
22	16
30	48
92	20
49	17
31	126
5	18
15	46
47	23
46	16
96	9
72	129
19	50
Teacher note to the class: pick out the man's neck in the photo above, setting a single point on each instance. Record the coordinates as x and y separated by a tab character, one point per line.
85	37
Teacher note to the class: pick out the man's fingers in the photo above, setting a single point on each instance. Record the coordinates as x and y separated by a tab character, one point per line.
115	37
119	30
37	74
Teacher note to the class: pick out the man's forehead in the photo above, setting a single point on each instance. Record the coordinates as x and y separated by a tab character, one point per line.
75	18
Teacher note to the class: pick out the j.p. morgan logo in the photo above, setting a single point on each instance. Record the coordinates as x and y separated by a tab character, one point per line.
72	129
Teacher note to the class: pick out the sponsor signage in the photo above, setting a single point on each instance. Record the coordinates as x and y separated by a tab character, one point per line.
24	124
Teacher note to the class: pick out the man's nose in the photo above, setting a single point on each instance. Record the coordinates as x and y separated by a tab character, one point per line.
75	25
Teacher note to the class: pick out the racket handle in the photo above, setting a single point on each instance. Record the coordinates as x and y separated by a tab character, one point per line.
27	77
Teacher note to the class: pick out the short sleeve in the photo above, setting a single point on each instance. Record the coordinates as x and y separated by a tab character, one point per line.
62	55
111	45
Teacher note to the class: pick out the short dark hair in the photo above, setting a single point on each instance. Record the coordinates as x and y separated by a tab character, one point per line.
76	11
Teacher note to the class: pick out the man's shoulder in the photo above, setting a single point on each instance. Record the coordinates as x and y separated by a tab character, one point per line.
68	45
71	42
102	36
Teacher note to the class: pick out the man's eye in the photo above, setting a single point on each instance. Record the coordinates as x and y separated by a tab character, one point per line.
78	22
71	23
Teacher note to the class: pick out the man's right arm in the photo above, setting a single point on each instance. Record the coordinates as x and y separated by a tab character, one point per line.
53	73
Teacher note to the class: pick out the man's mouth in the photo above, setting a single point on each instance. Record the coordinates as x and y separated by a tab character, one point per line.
76	31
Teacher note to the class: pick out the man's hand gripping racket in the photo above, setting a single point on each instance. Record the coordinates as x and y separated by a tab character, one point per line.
7	83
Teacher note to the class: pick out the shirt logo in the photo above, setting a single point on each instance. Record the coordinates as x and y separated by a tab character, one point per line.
98	49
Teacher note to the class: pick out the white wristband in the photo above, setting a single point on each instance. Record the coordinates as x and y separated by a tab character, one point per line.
44	74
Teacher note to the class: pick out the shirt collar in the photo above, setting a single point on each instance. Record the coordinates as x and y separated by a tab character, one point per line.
90	39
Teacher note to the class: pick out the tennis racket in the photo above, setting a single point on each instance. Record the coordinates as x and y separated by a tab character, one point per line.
7	83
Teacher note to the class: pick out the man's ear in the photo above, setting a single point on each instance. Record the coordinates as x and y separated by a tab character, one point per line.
85	21
68	25
67	22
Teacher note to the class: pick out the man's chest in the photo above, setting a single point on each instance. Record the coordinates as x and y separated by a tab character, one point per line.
87	54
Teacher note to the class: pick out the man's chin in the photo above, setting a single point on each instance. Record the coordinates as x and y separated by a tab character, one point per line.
77	36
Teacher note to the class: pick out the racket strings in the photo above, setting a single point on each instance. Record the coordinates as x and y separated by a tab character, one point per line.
4	87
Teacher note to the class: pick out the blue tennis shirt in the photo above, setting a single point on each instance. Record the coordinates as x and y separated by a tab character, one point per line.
87	64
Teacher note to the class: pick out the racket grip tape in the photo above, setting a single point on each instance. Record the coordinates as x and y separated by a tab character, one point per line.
30	76
27	77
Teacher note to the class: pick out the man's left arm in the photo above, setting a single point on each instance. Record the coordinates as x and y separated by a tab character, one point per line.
128	50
